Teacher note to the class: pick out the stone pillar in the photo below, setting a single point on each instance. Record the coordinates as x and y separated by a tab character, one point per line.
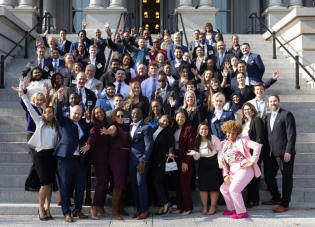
15	3
6	3
185	3
96	3
105	3
275	12
116	4
295	4
50	6
26	13
206	3
26	3
275	3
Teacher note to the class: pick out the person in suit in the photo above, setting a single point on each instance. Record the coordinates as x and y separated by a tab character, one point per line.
63	43
165	92
100	160
107	101
141	148
55	60
70	81
150	85
120	144
191	86
71	157
66	69
253	127
87	97
199	64
249	79
57	82
81	52
208	149
92	60
239	167
236	48
167	69
49	46
44	64
142	75
137	100
74	100
92	83
281	135
178	62
118	103
260	102
184	142
217	73
117	47
109	76
219	116
208	50
163	149
210	33
186	57
195	42
255	65
101	45
246	90
221	56
171	49
83	39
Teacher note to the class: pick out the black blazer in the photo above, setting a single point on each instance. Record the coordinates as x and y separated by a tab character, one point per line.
282	139
256	133
70	81
210	51
164	144
67	45
226	58
143	105
203	66
195	118
99	67
90	96
238	53
170	92
33	63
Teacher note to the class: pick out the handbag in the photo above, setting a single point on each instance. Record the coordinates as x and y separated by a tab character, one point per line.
170	166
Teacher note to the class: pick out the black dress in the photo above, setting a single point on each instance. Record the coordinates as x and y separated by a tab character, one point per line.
247	92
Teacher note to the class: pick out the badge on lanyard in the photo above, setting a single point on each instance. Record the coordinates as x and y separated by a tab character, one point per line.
46	68
214	119
268	110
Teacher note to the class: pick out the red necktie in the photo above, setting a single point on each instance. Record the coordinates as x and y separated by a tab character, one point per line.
40	63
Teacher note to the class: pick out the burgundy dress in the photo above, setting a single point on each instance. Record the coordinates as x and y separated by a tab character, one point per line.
100	147
119	158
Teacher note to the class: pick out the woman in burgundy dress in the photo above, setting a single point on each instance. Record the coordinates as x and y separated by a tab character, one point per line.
119	158
99	158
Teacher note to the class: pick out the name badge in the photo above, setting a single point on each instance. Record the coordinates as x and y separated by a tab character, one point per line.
90	103
99	65
268	110
46	68
127	121
74	82
147	57
253	82
61	57
150	47
214	119
51	92
210	52
177	65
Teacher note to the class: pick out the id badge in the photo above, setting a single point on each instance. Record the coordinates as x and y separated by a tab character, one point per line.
214	119
90	103
127	121
210	52
46	68
74	82
147	57
99	65
253	82
268	110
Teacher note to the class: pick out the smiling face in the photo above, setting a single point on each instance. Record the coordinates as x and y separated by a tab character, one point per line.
99	114
235	40
110	92
274	103
236	99
69	58
136	89
248	112
245	49
190	99
90	72
55	54
59	80
136	115
82	36
199	52
242	68
37	75
202	39
218	103
164	122
38	102
41	53
76	113
196	35
184	74
186	56
120	117
126	60
77	69
177	39
49	114
81	47
118	102
231	136
153	70
157	44
214	85
74	100
203	131
142	70
259	92
160	58
97	33
168	70
93	52
221	47
120	76
178	54
162	81
234	61
180	119
208	76
210	64
51	42
62	35
240	79
81	80
156	108
142	43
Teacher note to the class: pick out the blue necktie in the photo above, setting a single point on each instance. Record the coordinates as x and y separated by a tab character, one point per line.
119	87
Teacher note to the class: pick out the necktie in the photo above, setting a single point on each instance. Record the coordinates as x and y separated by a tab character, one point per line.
141	57
272	121
80	95
153	89
55	65
119	87
220	58
40	63
78	148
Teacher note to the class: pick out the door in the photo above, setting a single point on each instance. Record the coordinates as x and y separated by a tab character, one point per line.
151	15
78	15
224	17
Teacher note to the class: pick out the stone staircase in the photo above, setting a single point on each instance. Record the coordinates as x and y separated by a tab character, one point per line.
15	160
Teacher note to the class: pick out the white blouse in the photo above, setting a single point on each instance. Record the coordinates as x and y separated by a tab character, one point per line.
49	138
176	137
157	132
204	150
245	129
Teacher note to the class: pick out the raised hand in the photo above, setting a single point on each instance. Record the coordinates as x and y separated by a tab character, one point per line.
21	79
182	84
84	23
60	93
26	82
276	75
107	24
225	73
47	88
194	71
157	93
133	31
98	86
109	32
172	101
191	153
159	35
121	31
46	32
38	42
18	90
87	114
85	148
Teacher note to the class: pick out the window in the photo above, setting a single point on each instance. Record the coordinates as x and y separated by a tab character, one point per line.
223	18
77	14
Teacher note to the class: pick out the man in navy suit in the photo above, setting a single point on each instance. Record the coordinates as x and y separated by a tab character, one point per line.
171	48
74	100
179	61
255	66
70	154
55	60
250	80
83	39
141	148
221	56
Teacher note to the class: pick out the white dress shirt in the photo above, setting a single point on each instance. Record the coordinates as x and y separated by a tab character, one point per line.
146	86
196	43
42	61
55	63
80	135
134	128
124	89
163	90
205	49
245	57
170	80
183	88
83	94
218	114
204	151
93	61
245	129
260	106
49	138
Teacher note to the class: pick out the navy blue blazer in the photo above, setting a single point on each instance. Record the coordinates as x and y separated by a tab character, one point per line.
66	111
215	125
141	144
74	46
68	135
170	51
175	73
255	66
51	60
104	103
252	81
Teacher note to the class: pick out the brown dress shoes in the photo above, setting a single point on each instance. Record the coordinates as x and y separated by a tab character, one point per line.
280	209
68	218
136	215
80	215
144	215
271	202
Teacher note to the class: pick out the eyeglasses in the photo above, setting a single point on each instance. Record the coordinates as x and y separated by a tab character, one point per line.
156	42
161	80
121	116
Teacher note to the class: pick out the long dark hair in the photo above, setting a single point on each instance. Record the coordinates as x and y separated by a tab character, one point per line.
184	111
158	124
121	58
53	79
32	72
54	121
151	114
198	137
114	113
94	119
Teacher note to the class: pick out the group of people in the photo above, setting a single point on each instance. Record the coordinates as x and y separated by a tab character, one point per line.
153	106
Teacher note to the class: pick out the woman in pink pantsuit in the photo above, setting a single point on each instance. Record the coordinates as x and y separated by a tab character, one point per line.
239	167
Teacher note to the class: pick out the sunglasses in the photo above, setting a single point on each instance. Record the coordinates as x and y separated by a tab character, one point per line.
161	80
156	42
121	116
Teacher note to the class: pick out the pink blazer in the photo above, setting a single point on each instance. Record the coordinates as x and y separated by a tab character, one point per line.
244	145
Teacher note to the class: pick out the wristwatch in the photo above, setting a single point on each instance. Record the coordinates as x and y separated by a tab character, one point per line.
144	162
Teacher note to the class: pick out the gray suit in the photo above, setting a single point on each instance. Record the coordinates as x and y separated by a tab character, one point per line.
127	115
119	48
34	63
191	47
170	92
134	53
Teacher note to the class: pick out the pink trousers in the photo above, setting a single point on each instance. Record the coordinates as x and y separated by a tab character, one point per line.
233	193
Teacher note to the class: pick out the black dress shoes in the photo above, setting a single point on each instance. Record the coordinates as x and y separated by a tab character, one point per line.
31	189
250	204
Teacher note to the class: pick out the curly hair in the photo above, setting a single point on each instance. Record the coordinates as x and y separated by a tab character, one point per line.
121	58
232	126
253	109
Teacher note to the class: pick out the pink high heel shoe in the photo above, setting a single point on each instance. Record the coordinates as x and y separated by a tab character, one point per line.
236	216
227	212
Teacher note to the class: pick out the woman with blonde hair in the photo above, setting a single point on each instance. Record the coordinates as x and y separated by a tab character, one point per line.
137	100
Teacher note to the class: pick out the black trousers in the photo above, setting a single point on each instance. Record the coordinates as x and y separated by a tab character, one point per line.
253	189
158	180
32	180
271	167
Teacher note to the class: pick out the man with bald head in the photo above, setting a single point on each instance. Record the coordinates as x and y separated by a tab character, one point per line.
222	55
86	96
71	156
142	74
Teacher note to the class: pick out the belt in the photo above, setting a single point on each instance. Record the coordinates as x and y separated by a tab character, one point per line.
75	156
125	148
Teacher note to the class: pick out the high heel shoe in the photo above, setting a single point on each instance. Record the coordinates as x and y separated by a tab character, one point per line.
186	213
92	216
48	217
103	214
204	212
169	205
42	219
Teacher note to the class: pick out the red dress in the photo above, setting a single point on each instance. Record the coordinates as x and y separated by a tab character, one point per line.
154	53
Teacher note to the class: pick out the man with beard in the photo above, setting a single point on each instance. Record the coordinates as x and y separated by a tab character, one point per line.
66	70
109	76
281	136
122	87
92	83
106	101
44	64
178	53
207	49
82	38
177	42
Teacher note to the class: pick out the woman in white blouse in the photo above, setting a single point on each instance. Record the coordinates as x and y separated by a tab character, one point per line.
207	148
44	141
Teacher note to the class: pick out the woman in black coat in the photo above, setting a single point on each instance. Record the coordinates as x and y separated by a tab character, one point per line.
253	127
164	148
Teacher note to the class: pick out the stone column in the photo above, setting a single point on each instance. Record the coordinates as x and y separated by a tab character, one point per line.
26	3
50	6
295	4
275	3
206	3
96	3
185	3
6	3
116	4
105	3
275	12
